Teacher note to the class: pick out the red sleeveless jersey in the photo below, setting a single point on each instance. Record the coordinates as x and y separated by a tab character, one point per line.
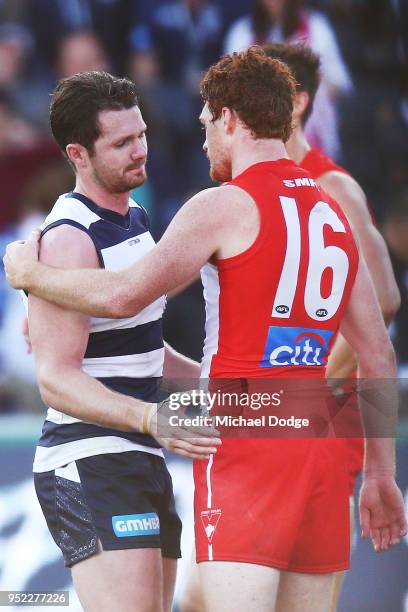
316	163
274	309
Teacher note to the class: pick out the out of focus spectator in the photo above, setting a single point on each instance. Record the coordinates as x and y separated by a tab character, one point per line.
180	40
396	234
290	21
79	52
50	20
374	121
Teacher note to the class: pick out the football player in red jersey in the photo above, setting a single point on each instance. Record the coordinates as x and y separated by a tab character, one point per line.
305	67
263	239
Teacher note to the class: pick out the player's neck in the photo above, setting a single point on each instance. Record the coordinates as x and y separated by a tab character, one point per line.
255	151
118	202
297	145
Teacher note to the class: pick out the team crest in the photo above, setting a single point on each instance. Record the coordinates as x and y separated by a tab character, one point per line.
209	519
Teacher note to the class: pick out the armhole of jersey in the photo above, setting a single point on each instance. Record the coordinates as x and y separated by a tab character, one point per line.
146	216
78	226
242	257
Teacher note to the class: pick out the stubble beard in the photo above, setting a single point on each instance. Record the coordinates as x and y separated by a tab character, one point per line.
119	184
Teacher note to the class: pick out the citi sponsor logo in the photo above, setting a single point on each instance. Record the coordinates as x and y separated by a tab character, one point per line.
299	182
136	525
296	346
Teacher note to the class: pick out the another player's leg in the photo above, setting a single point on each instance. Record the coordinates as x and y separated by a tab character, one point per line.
169	571
192	596
304	592
121	580
228	586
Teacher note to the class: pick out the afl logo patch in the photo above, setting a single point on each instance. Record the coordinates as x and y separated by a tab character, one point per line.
321	312
282	309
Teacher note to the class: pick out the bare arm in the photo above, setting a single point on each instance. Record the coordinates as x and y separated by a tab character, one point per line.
200	229
59	339
177	365
381	504
346	191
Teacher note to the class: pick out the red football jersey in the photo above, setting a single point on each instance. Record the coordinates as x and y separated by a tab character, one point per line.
316	163
274	309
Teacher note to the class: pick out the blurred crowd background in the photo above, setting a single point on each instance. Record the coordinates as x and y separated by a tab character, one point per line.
360	119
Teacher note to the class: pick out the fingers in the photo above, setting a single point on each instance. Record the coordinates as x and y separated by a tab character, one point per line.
365	522
403	525
395	533
376	539
385	538
35	235
186	449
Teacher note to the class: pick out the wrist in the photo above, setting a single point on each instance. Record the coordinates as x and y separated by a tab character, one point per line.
373	473
30	275
149	420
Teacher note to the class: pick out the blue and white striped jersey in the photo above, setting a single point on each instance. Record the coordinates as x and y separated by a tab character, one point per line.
126	355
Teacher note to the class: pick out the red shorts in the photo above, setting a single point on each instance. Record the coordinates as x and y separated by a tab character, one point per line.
280	503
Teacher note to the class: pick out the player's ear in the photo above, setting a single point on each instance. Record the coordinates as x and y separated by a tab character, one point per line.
300	104
77	155
229	117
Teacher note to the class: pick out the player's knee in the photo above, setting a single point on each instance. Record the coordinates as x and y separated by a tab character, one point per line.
191	601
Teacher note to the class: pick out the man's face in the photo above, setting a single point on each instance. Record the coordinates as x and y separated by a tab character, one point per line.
119	156
215	147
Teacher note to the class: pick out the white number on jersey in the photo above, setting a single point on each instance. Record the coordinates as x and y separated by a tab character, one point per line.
321	257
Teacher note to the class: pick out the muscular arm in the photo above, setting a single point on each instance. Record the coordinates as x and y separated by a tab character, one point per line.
221	220
59	339
346	191
364	329
382	513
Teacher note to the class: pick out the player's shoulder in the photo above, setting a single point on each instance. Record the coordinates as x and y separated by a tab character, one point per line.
343	187
68	246
221	196
217	207
70	207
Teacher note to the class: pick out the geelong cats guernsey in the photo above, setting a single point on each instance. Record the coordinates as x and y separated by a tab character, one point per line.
126	355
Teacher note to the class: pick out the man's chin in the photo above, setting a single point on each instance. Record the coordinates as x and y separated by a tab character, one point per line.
218	176
138	180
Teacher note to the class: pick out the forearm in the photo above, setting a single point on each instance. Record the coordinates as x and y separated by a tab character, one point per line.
92	292
342	362
378	402
177	366
379	457
381	272
73	392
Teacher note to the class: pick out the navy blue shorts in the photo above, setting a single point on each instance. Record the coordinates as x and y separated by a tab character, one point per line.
125	500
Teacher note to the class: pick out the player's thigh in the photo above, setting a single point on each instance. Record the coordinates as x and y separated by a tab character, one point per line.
230	586
121	580
169	581
192	595
339	576
304	592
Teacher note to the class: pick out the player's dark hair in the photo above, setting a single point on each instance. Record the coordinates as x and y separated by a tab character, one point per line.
77	101
304	65
260	90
